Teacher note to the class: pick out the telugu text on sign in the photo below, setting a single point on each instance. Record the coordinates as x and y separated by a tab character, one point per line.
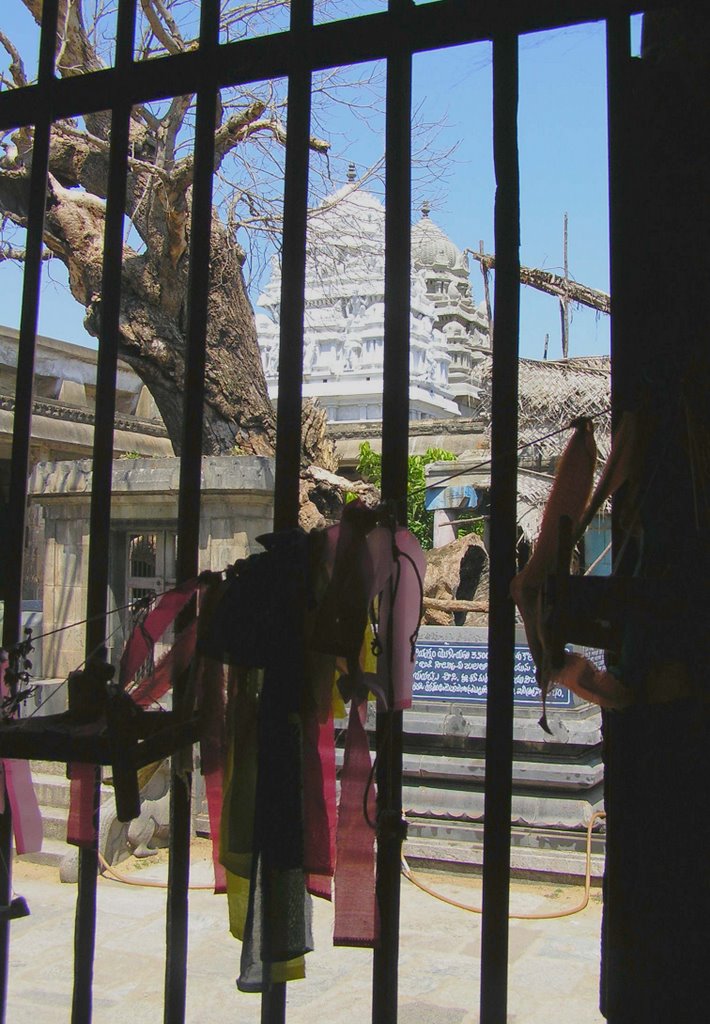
459	672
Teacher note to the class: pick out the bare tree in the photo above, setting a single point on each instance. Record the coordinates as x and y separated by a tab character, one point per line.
249	145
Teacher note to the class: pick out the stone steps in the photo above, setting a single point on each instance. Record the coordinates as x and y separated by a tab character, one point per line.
51	786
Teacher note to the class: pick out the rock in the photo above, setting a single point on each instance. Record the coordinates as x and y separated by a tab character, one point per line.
457	571
322	495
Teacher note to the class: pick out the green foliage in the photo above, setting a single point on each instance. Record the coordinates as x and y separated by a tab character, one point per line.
419	521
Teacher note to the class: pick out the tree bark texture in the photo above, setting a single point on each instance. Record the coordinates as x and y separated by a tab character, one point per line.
156	255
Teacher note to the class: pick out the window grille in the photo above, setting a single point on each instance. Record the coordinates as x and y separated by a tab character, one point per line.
393	35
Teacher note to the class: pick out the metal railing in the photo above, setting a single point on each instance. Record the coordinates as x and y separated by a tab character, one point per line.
393	36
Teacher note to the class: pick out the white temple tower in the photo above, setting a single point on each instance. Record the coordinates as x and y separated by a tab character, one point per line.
444	269
344	317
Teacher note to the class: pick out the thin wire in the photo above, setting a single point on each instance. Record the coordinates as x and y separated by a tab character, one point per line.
508	455
93	618
77	669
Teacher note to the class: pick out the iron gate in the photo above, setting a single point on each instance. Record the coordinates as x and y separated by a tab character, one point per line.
394	36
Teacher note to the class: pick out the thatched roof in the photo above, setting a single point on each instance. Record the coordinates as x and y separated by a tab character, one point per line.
554	392
551	394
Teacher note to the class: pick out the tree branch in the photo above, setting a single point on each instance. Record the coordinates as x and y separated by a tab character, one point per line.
163	25
103	146
17	68
170	127
12	252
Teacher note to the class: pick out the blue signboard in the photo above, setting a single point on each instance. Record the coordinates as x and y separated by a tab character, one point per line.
458	672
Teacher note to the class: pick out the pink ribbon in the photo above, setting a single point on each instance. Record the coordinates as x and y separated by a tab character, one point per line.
356	918
147	634
214	791
319	804
171	665
406	572
211	697
26	817
80	823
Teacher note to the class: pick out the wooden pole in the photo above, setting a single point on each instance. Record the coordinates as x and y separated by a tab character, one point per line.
564	301
486	291
551	284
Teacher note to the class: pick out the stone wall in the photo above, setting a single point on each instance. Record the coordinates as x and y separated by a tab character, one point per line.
237	507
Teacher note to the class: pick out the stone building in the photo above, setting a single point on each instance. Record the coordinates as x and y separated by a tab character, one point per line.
237	506
344	317
63	429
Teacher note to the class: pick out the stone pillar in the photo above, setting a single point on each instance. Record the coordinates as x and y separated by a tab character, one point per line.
64	592
444	528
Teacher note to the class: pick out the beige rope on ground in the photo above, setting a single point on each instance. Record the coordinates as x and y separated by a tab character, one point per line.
567	912
413	878
148	883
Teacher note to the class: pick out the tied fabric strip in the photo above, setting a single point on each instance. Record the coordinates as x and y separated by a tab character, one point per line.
356	918
571	497
142	640
172	664
81	823
214	784
26	817
211	700
405	564
319	804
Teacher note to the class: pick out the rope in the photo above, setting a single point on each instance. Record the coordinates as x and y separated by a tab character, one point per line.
146	883
567	912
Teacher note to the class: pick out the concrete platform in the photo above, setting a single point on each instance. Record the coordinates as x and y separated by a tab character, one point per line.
554	964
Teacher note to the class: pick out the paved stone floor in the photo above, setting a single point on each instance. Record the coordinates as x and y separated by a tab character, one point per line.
554	964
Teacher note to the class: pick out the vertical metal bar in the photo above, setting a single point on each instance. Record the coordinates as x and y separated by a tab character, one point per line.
618	48
501	627
395	434
22	425
293	284
100	510
293	280
189	495
623	378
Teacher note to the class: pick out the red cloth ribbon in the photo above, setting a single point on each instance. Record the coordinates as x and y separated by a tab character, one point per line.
214	787
81	829
319	804
171	665
211	697
356	918
143	639
17	783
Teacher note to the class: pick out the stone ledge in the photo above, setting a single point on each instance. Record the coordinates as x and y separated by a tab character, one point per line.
248	474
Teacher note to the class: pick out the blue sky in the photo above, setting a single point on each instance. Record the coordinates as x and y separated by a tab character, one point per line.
562	126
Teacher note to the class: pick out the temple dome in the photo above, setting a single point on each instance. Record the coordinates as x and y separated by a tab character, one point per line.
431	247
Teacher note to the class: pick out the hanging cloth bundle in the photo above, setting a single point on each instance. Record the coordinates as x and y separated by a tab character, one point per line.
290	620
375	572
258	628
569	510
